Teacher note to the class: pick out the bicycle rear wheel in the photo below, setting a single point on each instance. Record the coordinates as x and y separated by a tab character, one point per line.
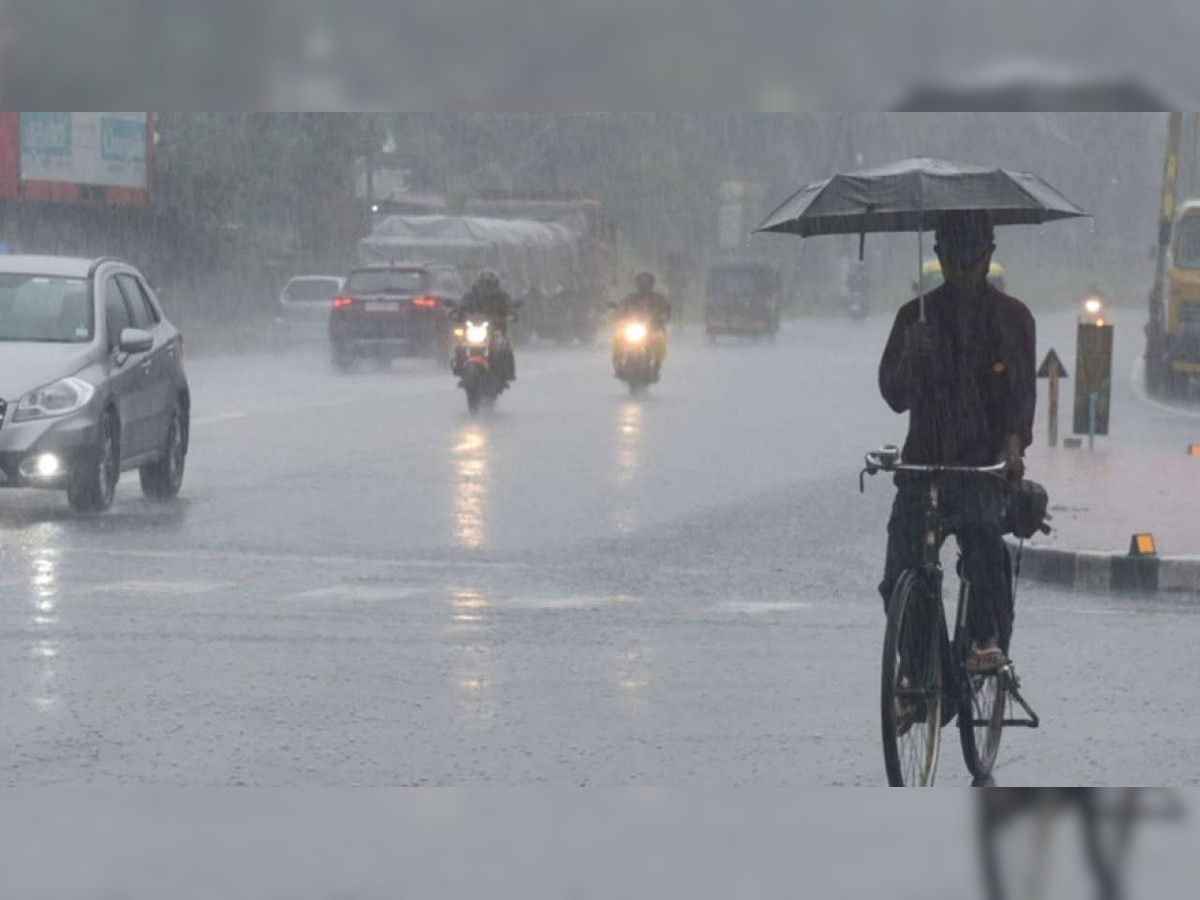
981	721
912	687
983	704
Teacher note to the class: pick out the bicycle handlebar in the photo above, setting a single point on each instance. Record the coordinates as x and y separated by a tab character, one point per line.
888	460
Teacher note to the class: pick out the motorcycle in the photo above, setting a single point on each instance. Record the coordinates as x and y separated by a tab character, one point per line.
479	360
638	352
1094	310
858	308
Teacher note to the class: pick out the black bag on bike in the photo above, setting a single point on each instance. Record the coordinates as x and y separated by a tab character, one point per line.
1028	511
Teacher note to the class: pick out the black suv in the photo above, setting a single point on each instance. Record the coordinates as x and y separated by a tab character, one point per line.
390	311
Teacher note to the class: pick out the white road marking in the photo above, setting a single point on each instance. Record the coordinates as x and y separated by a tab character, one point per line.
250	556
556	603
364	593
750	608
178	588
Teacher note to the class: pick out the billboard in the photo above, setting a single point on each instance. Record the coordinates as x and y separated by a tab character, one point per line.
106	149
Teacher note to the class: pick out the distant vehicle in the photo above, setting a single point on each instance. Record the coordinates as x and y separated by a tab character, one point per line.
556	250
744	299
1173	332
479	346
639	349
932	277
856	294
304	306
1094	309
389	311
577	300
1182	333
91	381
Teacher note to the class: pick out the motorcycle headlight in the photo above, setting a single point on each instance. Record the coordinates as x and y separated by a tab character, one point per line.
1094	306
477	334
59	399
636	332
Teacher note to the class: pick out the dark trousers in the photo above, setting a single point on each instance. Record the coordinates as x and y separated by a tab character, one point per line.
974	507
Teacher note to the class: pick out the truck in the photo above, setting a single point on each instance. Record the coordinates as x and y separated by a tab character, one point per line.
571	309
1173	333
554	251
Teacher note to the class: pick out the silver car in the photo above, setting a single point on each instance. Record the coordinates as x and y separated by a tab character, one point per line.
304	306
91	381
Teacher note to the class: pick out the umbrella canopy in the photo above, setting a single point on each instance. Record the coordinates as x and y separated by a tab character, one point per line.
912	196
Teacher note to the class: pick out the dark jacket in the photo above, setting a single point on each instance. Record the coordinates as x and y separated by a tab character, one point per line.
980	385
496	305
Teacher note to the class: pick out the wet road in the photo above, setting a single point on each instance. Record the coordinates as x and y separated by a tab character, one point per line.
362	585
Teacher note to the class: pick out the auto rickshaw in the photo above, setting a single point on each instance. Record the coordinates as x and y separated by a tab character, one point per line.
932	279
744	299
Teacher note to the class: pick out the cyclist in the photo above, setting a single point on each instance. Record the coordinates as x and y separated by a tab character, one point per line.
967	378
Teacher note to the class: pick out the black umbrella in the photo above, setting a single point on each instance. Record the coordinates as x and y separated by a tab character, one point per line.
912	196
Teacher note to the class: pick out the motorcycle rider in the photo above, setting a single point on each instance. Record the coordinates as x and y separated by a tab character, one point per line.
646	303
858	291
487	299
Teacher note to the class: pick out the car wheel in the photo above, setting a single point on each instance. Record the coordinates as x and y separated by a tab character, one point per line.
92	488
161	480
343	359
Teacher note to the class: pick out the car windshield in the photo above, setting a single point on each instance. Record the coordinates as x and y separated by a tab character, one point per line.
45	309
386	281
312	289
1188	254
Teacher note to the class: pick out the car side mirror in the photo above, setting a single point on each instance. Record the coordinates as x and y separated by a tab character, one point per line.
135	340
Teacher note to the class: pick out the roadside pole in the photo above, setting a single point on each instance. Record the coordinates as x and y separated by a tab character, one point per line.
1054	371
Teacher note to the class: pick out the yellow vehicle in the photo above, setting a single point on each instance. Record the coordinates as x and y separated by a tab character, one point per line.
932	279
743	299
1182	339
1173	334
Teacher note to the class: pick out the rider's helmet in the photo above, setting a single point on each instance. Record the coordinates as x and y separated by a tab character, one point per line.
645	283
489	280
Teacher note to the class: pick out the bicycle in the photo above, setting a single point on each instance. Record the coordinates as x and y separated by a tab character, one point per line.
926	678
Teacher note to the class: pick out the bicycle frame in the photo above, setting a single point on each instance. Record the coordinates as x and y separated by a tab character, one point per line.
956	649
955	644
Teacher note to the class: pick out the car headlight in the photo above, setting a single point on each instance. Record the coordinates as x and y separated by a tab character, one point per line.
477	334
59	399
636	332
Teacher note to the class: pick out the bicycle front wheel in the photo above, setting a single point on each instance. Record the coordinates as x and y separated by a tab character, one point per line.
912	686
